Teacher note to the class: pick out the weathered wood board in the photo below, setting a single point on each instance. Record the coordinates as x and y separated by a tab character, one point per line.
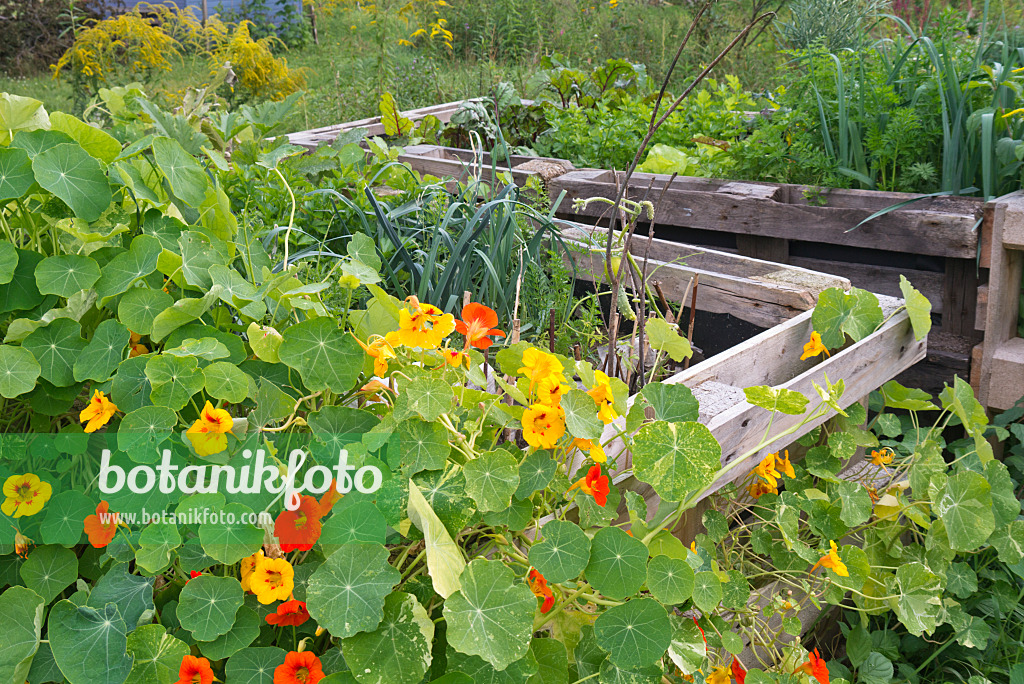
463	165
315	137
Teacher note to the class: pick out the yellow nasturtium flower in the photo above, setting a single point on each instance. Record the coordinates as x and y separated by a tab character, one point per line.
423	326
273	579
98	413
25	495
767	472
592	447
551	389
538	366
814	347
209	434
832	561
543	425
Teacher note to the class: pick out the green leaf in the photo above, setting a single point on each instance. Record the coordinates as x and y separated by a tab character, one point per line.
635	634
876	668
71	174
919	600
564	552
399	650
19	371
144	430
265	342
49	570
535	473
360	522
899	397
255	665
132	594
139	306
839	314
618	563
182	312
424	445
15	174
8	261
206	348
345	595
56	347
613	674
174	379
65	513
394	123
491	479
157	656
127	267
490	617
467	669
226	381
918	308
20	293
242	633
581	415
186	177
156	542
707	591
676	459
22	609
856	502
230	542
666	337
687	650
552	662
104	352
445	563
324	355
777	399
44	667
961	580
19	113
90	646
94	140
670	580
672	403
965	506
199	254
208	604
429	397
1008	540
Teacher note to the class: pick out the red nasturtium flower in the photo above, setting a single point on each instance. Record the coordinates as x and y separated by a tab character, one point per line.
102	526
815	667
329	498
299	529
195	671
192	575
738	672
539	587
594	484
299	668
477	325
289	613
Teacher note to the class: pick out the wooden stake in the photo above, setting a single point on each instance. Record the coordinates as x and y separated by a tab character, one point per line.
669	316
693	314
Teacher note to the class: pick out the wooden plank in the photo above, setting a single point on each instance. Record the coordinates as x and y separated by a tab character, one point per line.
761	247
960	296
1006	380
997	390
463	165
314	137
939	226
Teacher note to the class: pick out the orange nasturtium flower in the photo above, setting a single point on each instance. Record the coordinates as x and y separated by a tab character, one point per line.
455	358
298	530
738	671
539	587
25	495
329	498
477	325
592	447
98	413
595	484
299	668
759	489
815	667
101	526
783	464
21	544
881	457
814	347
209	433
538	365
719	675
273	579
423	326
766	471
290	613
832	561
195	671
136	346
247	566
381	351
543	425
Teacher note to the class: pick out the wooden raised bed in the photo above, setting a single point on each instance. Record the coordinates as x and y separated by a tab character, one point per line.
315	137
464	165
1001	380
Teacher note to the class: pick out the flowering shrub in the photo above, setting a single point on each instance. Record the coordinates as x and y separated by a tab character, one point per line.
480	523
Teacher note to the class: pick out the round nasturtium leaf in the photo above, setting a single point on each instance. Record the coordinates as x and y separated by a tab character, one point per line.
89	645
71	174
672	403
965	506
355	523
399	650
707	591
65	514
156	542
535	473
635	634
56	346
184	174
670	579
157	654
127	267
174	379
676	459
618	563
232	540
324	355
839	314
581	418
429	397
8	261
66	274
15	173
49	570
133	594
345	595
104	352
490	616
491	479
563	553
226	381
19	371
22	609
139	306
255	665
424	445
242	633
144	430
208	605
19	292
